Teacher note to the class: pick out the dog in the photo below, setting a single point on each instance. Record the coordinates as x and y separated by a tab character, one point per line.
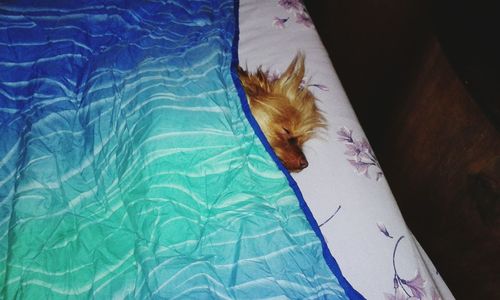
285	110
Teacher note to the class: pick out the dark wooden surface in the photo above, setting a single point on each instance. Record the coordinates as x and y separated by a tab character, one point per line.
468	32
373	45
429	108
444	169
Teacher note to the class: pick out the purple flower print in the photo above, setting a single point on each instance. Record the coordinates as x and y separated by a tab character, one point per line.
279	22
361	153
291	4
401	285
275	75
416	285
384	230
319	86
435	295
296	8
360	166
305	84
331	217
412	289
357	148
398	295
303	18
345	135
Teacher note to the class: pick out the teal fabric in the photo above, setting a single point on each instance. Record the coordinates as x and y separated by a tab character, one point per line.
128	168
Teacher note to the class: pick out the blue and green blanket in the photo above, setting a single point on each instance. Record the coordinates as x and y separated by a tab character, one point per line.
131	167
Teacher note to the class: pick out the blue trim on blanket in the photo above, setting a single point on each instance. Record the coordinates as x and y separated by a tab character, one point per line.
330	260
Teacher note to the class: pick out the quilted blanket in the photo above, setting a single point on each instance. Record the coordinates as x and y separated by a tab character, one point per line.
131	167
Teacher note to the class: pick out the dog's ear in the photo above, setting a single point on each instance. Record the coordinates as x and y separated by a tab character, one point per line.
255	84
292	77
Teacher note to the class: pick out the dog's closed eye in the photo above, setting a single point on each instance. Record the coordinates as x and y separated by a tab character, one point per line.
292	140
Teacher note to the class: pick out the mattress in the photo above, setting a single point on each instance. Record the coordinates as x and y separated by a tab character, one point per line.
131	166
344	184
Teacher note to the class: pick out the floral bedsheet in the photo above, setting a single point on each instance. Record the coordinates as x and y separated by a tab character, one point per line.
344	184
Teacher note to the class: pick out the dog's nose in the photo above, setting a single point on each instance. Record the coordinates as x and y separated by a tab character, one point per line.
303	163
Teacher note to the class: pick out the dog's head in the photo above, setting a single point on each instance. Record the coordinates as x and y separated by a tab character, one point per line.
285	110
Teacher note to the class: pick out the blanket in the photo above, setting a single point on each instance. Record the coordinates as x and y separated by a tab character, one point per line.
130	166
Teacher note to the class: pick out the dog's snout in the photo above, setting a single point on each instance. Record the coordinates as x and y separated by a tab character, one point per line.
294	159
303	163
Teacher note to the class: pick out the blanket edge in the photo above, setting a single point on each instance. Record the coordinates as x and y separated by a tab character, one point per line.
329	259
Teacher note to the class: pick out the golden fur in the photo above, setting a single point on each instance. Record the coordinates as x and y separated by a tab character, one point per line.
285	111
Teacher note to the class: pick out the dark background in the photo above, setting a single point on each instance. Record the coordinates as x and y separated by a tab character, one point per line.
424	79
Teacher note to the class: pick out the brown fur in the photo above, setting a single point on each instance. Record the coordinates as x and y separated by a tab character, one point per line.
285	111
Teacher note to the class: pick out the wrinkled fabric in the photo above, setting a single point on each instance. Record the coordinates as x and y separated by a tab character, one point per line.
128	168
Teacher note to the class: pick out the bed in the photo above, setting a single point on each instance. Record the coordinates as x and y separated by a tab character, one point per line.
132	168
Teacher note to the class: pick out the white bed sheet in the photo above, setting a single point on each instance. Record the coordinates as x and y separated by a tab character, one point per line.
342	180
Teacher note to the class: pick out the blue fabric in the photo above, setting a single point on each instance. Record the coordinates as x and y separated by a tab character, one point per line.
129	169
